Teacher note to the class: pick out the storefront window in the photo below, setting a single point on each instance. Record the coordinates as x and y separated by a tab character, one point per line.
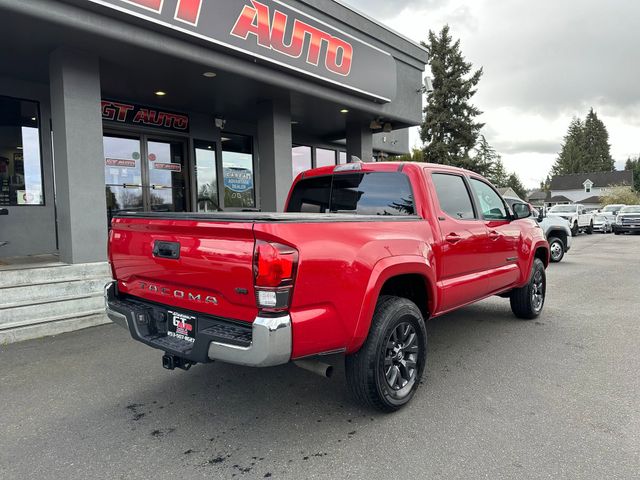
20	162
237	166
206	177
325	158
301	156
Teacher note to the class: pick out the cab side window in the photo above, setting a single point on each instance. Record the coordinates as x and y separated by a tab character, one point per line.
491	205
453	196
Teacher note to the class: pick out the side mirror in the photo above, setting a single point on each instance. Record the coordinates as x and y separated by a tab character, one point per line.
521	210
541	215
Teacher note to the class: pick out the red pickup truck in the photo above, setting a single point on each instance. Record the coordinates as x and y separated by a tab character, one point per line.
363	256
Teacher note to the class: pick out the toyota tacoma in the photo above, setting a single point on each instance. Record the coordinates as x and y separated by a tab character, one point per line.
364	255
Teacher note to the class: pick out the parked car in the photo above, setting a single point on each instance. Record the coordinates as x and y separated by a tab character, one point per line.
576	214
556	230
389	246
602	223
611	211
628	220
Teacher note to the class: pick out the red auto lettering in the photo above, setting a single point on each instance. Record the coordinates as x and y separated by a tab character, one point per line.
155	5
123	111
142	116
188	11
278	30
315	46
339	48
181	122
254	21
108	112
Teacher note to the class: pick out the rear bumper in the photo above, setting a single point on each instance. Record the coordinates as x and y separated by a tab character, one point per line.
267	342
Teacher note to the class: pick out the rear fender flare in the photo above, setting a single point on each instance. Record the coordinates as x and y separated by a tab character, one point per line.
382	271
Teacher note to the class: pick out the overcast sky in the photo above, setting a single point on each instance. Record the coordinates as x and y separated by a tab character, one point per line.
544	62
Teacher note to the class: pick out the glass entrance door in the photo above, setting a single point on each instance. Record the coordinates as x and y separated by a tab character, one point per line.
144	174
123	174
166	184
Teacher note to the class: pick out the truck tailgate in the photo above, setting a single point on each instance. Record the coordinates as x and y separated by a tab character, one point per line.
211	274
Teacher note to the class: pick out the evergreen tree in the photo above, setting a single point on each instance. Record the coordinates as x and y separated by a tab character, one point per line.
484	160
585	148
514	182
449	130
571	155
595	146
633	164
545	185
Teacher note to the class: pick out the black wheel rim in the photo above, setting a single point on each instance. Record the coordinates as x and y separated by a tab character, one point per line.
401	353
537	290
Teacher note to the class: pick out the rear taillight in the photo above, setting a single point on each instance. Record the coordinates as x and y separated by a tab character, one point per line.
274	267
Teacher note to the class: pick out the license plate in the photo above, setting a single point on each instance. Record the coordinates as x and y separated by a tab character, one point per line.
182	327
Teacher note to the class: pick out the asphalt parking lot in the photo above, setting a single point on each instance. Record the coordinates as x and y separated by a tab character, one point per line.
554	398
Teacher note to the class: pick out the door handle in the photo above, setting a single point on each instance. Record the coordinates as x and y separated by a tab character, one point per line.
453	238
493	235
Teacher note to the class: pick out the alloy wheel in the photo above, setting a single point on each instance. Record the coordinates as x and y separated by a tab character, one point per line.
401	353
537	290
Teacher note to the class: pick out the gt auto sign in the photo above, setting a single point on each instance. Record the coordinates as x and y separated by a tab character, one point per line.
276	33
256	20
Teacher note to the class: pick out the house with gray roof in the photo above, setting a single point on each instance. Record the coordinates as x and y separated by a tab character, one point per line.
586	188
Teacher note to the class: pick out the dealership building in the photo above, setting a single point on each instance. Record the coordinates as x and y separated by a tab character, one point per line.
174	105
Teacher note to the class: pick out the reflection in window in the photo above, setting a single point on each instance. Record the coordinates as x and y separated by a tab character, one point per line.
325	158
237	166
20	162
123	174
453	196
301	156
380	193
206	177
491	204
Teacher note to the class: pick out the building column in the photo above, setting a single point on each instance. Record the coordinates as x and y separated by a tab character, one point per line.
78	156
359	142
274	145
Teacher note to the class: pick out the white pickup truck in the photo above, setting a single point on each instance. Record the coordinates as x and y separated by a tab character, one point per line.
576	214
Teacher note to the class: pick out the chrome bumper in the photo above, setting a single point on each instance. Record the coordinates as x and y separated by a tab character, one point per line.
271	345
270	342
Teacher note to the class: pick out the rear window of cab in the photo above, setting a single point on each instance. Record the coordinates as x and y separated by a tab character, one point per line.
363	193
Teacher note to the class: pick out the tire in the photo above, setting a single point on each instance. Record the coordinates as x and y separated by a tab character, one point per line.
617	232
556	249
379	375
590	229
527	302
574	229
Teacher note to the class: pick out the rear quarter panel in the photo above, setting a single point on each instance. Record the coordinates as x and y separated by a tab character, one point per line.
334	292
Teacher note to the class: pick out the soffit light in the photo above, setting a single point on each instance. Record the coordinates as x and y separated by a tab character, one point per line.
160	93
210	74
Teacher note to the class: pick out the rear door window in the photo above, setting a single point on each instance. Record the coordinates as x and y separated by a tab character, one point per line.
374	193
453	196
